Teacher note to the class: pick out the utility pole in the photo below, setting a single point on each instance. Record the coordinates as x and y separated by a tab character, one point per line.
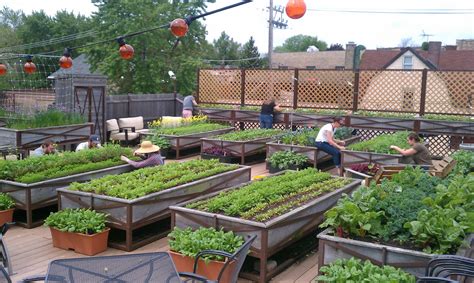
270	34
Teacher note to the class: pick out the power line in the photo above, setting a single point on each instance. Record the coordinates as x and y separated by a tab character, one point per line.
401	12
231	60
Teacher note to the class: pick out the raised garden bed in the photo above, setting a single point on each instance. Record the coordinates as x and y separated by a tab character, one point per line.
382	123
440	127
299	201
252	144
147	204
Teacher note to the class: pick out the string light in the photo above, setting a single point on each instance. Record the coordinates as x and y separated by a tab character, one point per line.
126	51
295	9
179	27
29	66
65	62
3	69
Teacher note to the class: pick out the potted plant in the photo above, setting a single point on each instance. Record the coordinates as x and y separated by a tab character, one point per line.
81	230
216	152
185	244
6	208
162	142
283	160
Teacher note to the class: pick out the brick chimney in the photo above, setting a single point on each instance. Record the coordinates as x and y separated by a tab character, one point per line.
349	58
434	51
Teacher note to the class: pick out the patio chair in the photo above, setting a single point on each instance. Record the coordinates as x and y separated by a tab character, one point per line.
116	133
239	256
446	266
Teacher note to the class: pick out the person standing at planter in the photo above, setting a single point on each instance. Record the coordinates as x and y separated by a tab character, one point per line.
418	151
326	142
149	153
188	106
46	148
267	112
93	142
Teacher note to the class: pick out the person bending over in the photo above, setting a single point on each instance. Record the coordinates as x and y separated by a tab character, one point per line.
149	153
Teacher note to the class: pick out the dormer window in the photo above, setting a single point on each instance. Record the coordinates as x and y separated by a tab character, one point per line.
408	62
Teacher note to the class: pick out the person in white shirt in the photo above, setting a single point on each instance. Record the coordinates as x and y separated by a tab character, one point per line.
326	142
93	142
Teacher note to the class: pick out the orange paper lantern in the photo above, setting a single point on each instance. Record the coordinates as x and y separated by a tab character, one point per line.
126	51
295	9
179	27
65	62
3	69
29	66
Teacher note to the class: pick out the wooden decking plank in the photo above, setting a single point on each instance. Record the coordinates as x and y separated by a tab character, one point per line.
308	276
298	269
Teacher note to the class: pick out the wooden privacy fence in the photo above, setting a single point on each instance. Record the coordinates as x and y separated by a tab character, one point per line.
411	91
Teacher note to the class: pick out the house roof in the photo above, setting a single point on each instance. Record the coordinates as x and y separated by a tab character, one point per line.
448	59
79	67
321	59
414	52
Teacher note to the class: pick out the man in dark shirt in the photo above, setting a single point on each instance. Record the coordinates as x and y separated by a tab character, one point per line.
267	112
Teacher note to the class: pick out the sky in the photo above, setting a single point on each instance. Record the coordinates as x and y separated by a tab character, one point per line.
370	30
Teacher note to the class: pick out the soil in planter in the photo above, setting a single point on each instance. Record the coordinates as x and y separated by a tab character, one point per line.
117	236
38	215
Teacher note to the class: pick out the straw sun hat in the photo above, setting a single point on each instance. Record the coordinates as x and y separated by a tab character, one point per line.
147	147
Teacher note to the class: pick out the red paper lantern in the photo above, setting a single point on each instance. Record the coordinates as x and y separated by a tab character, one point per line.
29	66
295	9
126	51
179	27
3	69
65	62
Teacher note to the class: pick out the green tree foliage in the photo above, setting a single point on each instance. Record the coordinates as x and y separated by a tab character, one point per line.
226	49
424	46
249	50
10	20
336	46
300	43
147	72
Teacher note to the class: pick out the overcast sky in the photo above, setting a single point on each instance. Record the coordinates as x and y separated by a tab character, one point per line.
371	30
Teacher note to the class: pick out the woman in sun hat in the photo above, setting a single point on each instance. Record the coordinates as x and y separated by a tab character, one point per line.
150	154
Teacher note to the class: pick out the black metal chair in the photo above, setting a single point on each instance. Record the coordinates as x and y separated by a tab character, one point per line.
4	255
446	266
239	258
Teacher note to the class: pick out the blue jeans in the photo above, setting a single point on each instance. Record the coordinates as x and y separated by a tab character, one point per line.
331	150
266	121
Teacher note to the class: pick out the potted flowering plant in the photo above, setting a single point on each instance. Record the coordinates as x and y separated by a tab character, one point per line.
81	230
6	208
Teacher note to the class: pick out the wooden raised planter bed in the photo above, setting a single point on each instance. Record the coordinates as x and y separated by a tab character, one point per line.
302	119
31	138
350	157
130	215
382	123
240	149
184	142
272	236
414	262
315	156
446	127
31	197
349	173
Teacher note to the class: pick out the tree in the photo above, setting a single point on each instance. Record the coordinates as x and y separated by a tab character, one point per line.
249	50
424	46
226	49
300	43
147	72
336	46
406	42
10	20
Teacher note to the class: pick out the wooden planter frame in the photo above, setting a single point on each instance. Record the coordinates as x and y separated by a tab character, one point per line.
183	142
130	215
414	262
350	157
385	123
437	127
30	197
31	138
315	156
272	236
241	149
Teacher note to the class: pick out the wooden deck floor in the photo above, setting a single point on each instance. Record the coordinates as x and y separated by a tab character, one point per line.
31	250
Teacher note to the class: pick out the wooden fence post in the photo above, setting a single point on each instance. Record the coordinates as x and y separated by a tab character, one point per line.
424	79
242	87
295	88
355	96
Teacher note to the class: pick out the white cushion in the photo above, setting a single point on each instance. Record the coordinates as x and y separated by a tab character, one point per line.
121	136
136	122
112	126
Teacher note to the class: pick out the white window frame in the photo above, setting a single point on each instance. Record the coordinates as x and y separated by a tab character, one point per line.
407	65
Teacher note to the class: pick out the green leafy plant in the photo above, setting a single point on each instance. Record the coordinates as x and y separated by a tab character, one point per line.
285	159
79	220
343	133
190	129
382	143
190	243
6	201
149	180
248	135
32	170
385	114
464	162
304	137
354	270
330	112
457	118
47	118
160	141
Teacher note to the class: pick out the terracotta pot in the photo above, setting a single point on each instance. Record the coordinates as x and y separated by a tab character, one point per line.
80	243
6	216
209	270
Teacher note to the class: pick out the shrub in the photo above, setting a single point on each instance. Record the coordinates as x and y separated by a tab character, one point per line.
79	220
6	201
285	159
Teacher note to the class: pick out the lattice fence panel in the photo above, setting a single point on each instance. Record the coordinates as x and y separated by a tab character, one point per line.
441	145
390	90
325	89
450	92
367	134
260	85
220	86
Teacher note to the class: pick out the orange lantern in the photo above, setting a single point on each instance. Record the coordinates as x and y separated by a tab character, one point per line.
65	61
179	27
126	50
3	69
29	66
295	9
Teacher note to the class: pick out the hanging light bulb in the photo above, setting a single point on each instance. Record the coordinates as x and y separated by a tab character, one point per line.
65	61
3	69
179	27
126	50
295	9
29	66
